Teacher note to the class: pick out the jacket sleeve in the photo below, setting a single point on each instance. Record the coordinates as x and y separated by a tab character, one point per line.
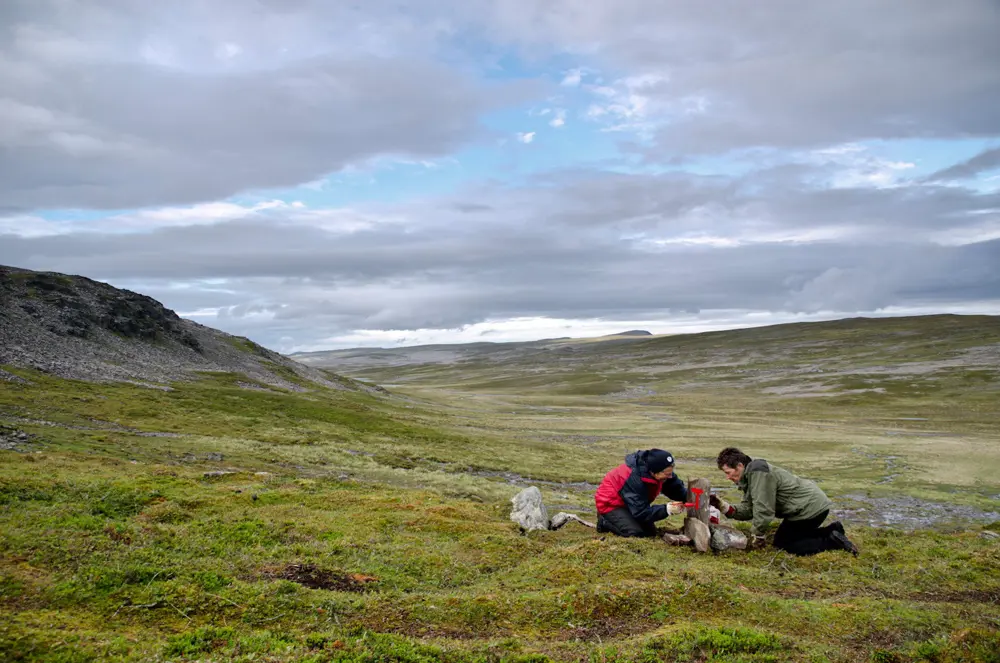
674	489
759	502
637	502
743	510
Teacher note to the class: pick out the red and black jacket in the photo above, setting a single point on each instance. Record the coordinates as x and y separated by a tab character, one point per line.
631	485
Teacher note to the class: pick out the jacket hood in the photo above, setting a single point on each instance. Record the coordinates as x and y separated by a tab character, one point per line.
637	461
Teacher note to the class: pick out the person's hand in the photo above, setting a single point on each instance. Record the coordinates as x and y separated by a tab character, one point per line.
756	542
721	504
675	508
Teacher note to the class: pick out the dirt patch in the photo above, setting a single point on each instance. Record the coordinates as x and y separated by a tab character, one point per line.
313	577
908	513
963	596
607	629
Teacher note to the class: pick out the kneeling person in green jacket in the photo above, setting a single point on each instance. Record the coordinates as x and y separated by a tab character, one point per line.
772	492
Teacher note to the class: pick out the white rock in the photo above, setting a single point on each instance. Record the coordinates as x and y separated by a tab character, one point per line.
529	512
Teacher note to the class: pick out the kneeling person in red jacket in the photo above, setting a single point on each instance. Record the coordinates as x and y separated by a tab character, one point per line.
625	497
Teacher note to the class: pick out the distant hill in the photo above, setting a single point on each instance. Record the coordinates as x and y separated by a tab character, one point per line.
635	332
786	359
74	327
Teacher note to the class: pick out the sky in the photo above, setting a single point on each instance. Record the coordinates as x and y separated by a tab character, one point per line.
327	174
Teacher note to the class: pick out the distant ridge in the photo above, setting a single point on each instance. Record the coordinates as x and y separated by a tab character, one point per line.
946	329
634	332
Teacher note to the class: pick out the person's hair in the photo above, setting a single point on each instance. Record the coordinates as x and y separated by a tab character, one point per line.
731	457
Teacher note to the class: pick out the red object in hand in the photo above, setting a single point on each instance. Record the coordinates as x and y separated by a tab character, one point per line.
697	498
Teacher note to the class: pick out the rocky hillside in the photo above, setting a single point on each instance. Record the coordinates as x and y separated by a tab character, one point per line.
74	327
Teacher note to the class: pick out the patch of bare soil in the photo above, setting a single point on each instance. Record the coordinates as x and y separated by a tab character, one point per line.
607	629
963	596
313	577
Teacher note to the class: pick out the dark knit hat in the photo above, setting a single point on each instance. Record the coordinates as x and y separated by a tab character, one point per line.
658	460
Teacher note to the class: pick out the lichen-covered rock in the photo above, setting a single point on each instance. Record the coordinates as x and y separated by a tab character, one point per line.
724	538
528	511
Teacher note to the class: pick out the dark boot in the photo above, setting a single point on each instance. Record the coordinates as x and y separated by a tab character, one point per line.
844	543
837	525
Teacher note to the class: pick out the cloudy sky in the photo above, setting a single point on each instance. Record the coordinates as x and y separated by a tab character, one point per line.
321	174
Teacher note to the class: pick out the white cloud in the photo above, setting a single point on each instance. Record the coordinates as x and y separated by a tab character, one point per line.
859	168
572	78
526	137
149	220
632	104
559	119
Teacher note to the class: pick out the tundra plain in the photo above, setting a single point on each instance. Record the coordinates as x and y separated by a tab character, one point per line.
218	519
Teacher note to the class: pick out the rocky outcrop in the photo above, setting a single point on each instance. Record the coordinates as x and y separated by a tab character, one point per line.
75	327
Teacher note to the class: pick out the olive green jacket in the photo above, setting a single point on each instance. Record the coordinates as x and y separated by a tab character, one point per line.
772	492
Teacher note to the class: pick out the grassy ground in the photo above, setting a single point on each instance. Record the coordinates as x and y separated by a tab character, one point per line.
357	527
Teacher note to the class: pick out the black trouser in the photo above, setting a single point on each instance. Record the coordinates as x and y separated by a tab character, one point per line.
805	537
621	523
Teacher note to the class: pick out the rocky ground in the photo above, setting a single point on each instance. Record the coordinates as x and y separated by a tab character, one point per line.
74	327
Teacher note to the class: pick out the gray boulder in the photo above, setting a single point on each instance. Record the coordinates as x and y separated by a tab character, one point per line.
528	511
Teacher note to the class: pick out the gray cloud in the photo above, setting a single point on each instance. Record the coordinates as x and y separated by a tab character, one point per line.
87	121
120	103
743	74
984	161
579	245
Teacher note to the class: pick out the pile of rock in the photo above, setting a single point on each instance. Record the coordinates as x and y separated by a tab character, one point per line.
13	439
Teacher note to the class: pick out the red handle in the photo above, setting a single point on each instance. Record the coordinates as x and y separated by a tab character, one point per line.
697	498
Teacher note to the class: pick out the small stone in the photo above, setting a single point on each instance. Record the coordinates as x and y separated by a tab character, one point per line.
676	539
217	473
213	455
986	534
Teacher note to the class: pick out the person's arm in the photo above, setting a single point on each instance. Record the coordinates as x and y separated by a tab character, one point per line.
763	493
637	502
741	511
674	489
